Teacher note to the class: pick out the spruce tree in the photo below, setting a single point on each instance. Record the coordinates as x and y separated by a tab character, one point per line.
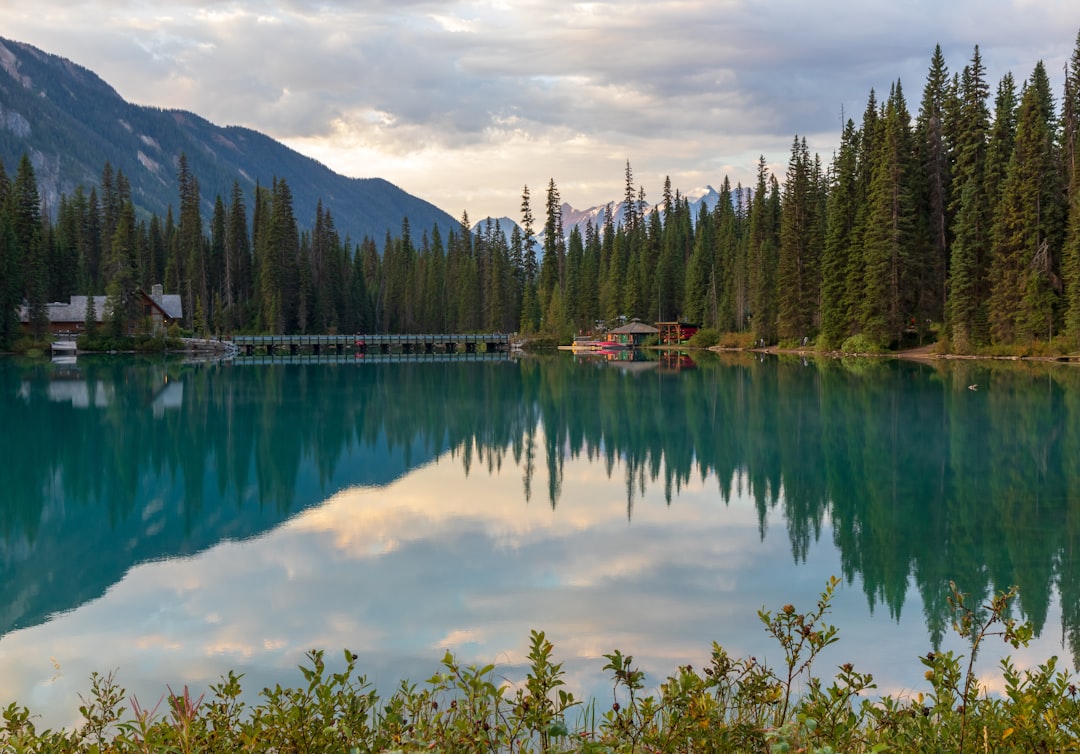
798	265
970	251
763	243
11	291
841	244
26	222
889	236
936	175
1028	225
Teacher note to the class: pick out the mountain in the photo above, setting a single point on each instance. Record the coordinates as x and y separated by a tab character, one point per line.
706	197
71	122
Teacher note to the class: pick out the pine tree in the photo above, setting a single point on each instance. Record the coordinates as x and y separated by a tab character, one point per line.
1070	267
190	255
11	290
970	251
90	316
763	243
1070	142
837	308
26	222
701	274
798	265
122	272
553	265
936	176
1028	228
889	236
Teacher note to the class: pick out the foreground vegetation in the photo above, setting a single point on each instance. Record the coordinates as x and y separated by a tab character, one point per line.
732	704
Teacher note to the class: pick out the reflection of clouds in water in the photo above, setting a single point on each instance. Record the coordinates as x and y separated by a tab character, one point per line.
400	573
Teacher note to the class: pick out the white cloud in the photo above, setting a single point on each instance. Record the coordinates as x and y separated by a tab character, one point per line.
485	94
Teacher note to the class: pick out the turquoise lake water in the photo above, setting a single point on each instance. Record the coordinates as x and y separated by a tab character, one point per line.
171	521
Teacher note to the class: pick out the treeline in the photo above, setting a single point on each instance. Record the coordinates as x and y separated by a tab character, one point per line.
962	224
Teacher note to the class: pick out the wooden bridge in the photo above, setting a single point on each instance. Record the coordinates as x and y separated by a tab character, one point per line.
374	343
355	359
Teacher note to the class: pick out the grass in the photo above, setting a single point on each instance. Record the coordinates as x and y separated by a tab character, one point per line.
730	705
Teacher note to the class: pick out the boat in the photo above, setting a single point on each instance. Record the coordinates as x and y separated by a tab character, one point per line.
587	344
64	347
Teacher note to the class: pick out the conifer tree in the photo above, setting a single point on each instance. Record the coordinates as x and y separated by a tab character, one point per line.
763	243
935	165
11	293
26	222
553	265
1070	268
90	317
1028	225
889	236
530	300
837	308
701	275
190	256
612	268
798	265
122	272
970	250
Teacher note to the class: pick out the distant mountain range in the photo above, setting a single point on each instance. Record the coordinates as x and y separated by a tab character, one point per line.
70	122
579	218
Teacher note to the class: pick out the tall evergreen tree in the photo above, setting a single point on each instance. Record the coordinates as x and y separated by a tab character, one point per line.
971	205
190	256
889	235
931	138
841	245
762	249
26	222
122	272
11	290
1028	227
798	265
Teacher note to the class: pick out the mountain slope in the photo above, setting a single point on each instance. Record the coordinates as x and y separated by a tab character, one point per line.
71	122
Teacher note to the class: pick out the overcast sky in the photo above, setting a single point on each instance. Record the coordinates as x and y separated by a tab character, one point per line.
463	102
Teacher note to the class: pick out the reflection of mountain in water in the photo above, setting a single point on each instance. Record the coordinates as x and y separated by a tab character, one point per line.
919	479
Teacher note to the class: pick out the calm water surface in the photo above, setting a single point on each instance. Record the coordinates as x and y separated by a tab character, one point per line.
172	521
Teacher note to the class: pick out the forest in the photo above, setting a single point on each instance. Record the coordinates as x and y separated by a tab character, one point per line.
960	225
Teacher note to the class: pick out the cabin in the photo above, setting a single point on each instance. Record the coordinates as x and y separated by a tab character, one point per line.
158	311
633	334
674	333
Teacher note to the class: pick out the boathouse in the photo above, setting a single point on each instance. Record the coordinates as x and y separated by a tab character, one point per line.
633	334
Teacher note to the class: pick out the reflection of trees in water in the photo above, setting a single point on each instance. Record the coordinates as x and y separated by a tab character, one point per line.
922	479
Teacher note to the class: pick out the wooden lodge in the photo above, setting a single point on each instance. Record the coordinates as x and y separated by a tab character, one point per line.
156	312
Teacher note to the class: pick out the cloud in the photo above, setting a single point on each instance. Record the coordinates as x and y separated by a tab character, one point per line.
471	87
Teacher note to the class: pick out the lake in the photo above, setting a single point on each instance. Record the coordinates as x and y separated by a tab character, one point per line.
171	520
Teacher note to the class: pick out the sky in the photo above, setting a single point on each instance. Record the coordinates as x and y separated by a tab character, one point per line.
465	102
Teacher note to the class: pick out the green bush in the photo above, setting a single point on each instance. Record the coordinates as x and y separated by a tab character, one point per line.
706	337
860	344
729	705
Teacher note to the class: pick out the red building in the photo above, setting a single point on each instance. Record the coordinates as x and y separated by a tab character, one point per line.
674	333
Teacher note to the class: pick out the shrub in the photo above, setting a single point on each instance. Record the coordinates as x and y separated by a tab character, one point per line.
729	705
860	343
706	337
743	340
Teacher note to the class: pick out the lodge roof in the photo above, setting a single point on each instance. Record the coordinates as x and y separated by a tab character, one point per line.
74	310
635	327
